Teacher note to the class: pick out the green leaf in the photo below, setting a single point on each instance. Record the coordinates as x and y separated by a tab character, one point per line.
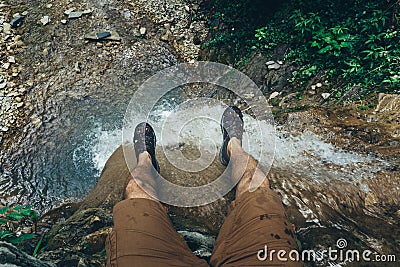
29	213
35	252
21	238
2	221
4	234
346	44
4	210
325	49
14	216
314	44
19	207
328	39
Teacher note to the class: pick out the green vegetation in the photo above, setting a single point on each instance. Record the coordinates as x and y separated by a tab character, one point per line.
349	43
11	218
232	24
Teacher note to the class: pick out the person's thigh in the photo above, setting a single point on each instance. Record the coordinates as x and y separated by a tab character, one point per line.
256	224
143	236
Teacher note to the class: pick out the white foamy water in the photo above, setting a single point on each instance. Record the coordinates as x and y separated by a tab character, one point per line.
305	154
106	143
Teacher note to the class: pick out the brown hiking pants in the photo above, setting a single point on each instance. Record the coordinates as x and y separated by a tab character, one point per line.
144	236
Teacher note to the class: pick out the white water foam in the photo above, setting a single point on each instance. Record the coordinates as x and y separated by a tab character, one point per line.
304	154
106	143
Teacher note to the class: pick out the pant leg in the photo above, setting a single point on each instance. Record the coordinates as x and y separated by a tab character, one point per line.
144	236
256	222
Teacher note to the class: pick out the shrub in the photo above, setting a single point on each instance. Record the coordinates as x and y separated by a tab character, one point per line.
14	217
351	41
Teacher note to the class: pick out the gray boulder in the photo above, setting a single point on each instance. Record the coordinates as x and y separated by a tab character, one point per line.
10	256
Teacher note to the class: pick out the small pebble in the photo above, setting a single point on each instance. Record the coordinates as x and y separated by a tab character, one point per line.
6	65
325	95
75	14
66	12
11	59
6	28
273	95
45	20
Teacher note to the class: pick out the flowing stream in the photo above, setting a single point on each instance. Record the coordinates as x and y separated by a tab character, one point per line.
63	159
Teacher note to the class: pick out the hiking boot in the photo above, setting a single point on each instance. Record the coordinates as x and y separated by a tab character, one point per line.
144	139
231	126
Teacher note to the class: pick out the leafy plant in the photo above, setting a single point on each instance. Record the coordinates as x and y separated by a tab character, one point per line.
342	40
231	25
12	217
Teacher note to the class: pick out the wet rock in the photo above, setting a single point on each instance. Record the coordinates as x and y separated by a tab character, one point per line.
96	241
13	257
83	234
268	81
256	68
75	14
102	35
17	22
63	21
66	257
110	35
68	11
274	66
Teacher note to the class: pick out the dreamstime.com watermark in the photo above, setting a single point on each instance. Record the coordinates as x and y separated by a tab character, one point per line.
339	253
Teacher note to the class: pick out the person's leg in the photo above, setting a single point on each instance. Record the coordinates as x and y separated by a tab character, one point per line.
143	234
257	221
